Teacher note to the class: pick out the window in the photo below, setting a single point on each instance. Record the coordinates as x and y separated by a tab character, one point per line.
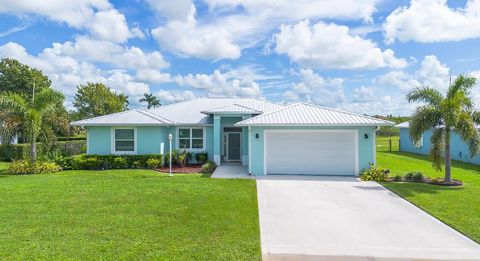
124	140
190	138
419	143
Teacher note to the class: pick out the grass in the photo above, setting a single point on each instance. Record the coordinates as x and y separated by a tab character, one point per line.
127	214
458	207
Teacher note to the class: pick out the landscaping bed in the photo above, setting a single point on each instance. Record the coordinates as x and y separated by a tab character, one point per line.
179	169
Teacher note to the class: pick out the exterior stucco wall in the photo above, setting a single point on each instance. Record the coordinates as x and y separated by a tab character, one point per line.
459	150
149	140
366	146
99	140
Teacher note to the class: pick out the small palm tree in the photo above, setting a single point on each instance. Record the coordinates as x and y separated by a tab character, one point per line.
32	112
151	100
443	114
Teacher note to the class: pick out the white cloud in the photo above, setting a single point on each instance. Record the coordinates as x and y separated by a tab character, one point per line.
111	53
431	73
364	94
75	13
220	84
433	21
314	88
167	97
98	17
153	76
112	26
227	30
186	38
324	45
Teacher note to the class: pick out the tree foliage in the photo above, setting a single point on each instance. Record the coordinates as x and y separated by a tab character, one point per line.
97	99
444	113
19	78
32	112
151	100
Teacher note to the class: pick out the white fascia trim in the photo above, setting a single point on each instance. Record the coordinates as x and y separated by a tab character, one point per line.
314	125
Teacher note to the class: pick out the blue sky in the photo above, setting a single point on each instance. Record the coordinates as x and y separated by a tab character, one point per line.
362	56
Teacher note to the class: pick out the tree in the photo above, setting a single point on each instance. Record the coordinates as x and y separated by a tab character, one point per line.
17	77
151	100
32	112
444	113
96	99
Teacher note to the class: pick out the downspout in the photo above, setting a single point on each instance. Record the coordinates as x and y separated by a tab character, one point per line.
375	145
249	150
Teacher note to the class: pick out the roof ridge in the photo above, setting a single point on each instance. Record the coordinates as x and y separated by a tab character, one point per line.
342	111
154	116
245	107
270	112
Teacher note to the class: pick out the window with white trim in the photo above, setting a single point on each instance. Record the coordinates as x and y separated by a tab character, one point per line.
124	140
419	143
190	138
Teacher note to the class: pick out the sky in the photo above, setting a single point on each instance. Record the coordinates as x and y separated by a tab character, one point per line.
362	56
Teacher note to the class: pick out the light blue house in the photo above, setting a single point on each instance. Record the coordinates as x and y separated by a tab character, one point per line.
459	150
267	137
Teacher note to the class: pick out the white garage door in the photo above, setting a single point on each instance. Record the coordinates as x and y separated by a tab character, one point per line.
310	152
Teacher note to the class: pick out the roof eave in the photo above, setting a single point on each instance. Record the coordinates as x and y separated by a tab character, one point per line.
314	125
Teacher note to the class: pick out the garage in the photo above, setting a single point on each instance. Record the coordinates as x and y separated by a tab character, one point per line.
311	152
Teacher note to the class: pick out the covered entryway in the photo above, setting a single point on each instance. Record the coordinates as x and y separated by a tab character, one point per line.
311	152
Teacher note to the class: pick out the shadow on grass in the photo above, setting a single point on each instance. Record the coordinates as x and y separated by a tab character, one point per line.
408	189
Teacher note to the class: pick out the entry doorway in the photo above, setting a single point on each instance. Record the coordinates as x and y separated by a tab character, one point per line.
233	150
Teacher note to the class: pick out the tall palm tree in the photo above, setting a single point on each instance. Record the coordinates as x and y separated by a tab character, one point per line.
151	100
443	114
32	112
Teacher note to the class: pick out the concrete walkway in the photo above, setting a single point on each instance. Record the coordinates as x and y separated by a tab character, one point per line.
231	172
327	218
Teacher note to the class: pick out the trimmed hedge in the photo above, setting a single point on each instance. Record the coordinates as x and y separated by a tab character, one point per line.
22	151
103	162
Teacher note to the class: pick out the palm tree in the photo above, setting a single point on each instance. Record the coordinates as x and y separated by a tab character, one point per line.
151	100
443	114
32	112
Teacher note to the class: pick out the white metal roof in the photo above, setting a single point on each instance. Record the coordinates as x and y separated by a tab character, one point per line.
182	113
406	125
131	117
232	109
403	125
190	112
306	114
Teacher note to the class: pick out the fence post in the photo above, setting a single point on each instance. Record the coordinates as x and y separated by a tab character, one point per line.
390	145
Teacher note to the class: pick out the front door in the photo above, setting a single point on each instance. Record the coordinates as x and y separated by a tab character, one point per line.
233	146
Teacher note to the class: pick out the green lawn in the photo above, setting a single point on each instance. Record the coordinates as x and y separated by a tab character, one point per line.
457	207
388	143
127	214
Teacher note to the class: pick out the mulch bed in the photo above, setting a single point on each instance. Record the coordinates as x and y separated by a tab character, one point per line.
178	169
434	181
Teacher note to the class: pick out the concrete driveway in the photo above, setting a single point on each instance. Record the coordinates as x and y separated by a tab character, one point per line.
327	218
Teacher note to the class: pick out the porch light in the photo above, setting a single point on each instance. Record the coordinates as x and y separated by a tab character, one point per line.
256	135
170	137
366	136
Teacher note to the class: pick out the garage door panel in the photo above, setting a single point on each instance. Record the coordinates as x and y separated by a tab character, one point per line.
313	153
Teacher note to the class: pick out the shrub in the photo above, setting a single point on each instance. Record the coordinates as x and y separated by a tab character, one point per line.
375	174
182	159
166	158
397	178
99	162
14	152
153	163
208	167
25	167
201	157
415	176
119	163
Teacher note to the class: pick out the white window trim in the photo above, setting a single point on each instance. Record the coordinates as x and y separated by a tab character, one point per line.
135	141
418	144
177	145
